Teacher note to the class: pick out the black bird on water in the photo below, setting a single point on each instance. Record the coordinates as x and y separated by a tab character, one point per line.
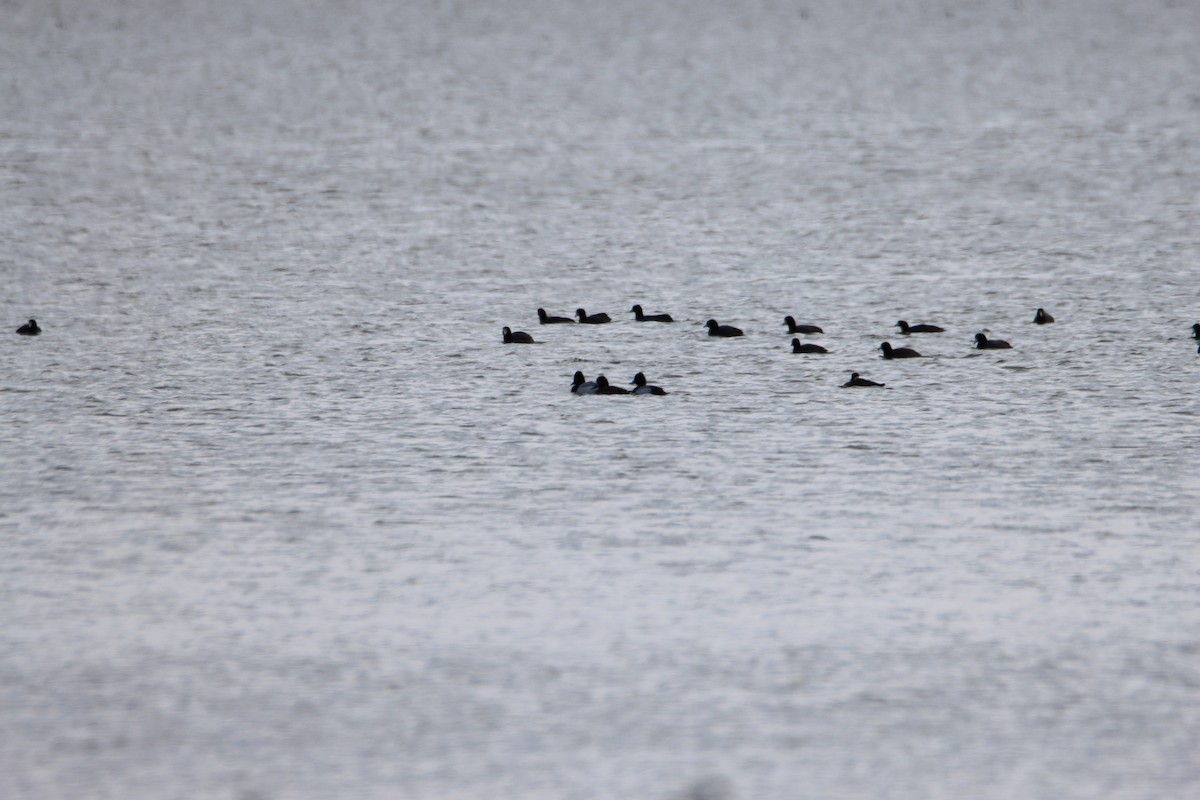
722	330
592	319
807	348
1195	330
906	329
640	317
1042	318
603	387
857	381
516	337
984	343
898	352
792	327
546	319
29	328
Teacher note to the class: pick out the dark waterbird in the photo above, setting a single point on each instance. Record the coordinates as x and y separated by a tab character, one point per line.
516	337
546	319
1195	330
639	381
857	381
792	327
582	386
592	319
906	329
640	317
29	328
722	330
982	342
898	352
603	387
807	348
1042	318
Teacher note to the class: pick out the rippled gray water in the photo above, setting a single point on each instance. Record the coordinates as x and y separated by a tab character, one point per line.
280	517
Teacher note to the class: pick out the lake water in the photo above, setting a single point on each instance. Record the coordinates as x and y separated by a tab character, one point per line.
281	517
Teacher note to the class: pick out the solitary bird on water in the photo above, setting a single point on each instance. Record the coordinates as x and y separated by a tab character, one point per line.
808	347
898	352
906	329
516	337
546	319
715	329
592	319
640	317
857	381
806	329
982	342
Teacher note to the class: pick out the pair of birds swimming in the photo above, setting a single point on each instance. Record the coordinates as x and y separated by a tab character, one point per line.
581	385
982	342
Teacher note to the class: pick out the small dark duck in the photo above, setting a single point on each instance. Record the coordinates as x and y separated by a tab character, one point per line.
546	319
792	327
906	329
898	352
722	330
592	319
807	348
516	337
984	343
855	380
640	317
603	387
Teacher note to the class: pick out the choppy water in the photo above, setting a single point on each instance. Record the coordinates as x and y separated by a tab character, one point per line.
280	517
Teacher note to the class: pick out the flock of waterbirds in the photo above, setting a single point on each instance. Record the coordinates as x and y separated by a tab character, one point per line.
580	384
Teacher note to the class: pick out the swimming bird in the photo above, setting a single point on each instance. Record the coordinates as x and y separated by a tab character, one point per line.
29	328
722	330
794	328
807	348
640	317
582	386
516	337
857	381
1042	318
1195	330
984	343
639	381
898	352
602	387
592	319
546	319
906	329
